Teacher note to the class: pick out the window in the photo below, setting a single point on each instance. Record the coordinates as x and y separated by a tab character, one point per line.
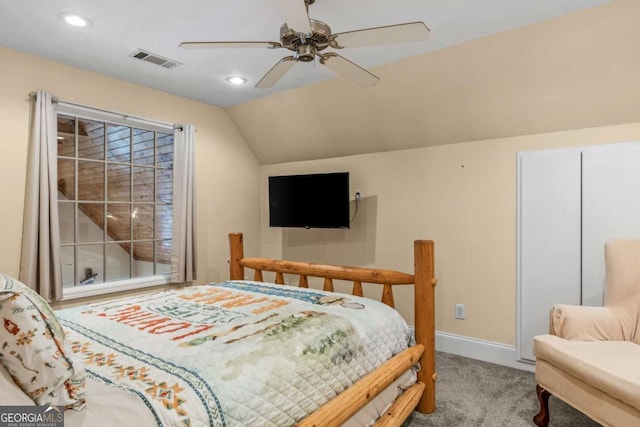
115	200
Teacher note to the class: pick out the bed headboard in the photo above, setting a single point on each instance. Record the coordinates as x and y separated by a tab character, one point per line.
304	270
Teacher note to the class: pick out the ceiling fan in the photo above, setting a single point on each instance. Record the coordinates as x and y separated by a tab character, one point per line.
308	38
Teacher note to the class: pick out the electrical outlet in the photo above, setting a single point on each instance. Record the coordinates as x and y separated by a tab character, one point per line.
459	311
358	195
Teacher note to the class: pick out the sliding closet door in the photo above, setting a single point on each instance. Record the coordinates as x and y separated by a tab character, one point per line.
548	240
610	208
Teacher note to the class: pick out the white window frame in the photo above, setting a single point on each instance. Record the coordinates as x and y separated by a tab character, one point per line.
82	112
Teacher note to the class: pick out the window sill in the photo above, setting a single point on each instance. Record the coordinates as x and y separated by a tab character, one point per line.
112	287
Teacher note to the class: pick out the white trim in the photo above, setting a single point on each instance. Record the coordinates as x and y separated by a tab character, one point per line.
92	113
519	256
486	351
111	287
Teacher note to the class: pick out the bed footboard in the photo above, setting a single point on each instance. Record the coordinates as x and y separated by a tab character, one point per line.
422	395
341	408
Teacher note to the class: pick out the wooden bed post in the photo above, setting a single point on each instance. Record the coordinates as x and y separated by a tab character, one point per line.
236	250
425	283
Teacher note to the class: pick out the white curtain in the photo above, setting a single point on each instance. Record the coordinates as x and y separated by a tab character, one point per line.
40	266
183	256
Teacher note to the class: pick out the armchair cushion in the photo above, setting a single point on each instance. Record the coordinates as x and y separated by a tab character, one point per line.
585	323
610	366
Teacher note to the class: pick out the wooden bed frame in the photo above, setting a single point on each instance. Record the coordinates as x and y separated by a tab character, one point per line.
421	396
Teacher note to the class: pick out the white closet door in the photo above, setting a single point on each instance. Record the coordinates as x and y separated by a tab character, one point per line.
548	240
610	208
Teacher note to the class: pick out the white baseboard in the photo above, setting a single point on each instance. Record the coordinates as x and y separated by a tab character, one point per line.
486	351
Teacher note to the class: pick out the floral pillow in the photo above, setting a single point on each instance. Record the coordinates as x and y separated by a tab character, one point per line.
34	349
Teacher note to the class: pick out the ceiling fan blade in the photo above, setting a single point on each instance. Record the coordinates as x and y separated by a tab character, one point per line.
228	45
275	74
400	33
348	69
296	15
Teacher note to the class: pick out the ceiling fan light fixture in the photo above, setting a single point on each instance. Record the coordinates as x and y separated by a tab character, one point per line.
236	80
305	53
76	20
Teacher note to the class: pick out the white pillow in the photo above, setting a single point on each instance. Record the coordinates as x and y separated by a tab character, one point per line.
34	349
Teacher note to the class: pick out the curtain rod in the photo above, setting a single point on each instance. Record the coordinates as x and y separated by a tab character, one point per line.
56	100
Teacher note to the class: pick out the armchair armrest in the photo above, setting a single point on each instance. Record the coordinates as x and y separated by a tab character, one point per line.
585	323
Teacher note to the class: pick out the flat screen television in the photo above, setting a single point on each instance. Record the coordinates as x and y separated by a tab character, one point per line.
309	201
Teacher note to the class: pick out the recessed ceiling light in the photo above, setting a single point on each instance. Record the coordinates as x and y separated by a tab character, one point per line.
75	19
236	80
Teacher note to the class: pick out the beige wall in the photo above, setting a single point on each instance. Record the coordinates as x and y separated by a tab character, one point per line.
463	196
227	172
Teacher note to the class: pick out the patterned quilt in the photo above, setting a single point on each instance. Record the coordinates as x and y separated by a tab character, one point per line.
234	353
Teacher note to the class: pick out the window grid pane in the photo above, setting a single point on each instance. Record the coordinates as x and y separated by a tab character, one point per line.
118	262
164	216
66	220
122	179
119	143
66	136
165	150
66	179
143	257
90	180
90	223
118	182
163	256
164	184
67	255
143	147
119	222
90	265
143	227
143	184
90	139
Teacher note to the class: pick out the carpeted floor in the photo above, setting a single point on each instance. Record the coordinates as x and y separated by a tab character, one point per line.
472	393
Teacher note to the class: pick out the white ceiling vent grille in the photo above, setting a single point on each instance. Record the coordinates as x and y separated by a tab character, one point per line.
144	55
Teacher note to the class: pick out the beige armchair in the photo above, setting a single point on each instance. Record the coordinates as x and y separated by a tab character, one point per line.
591	356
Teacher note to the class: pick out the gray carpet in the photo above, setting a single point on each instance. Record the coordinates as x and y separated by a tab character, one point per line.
471	393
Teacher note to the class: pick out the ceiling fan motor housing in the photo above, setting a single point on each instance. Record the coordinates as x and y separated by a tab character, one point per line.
306	45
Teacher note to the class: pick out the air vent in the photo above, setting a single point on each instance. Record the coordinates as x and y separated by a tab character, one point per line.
144	55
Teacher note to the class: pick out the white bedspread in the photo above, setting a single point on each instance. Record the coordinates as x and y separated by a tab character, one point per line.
236	353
